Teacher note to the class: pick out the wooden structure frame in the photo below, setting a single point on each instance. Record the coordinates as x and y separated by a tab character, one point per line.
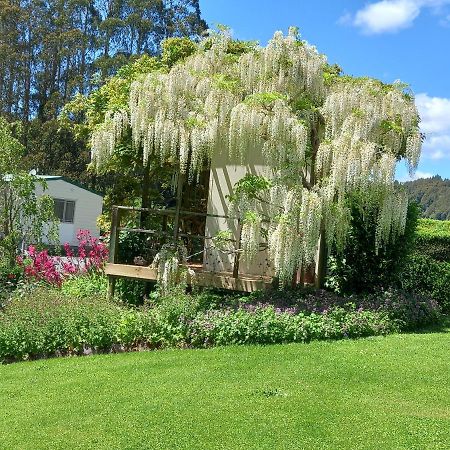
224	280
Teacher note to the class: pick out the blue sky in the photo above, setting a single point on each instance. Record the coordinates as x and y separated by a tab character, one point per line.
388	39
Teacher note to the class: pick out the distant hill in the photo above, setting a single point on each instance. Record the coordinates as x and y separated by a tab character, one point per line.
433	196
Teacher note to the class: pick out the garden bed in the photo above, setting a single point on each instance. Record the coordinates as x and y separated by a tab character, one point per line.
46	322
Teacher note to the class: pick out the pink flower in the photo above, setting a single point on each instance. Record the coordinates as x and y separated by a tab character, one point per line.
68	250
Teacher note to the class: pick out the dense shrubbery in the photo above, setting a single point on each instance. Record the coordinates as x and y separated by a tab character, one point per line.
10	278
361	267
40	266
433	239
415	263
426	276
91	284
427	270
45	322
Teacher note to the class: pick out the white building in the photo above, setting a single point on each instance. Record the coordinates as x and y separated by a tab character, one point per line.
76	207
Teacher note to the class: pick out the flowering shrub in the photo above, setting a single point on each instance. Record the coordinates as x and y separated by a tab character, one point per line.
10	277
40	266
45	322
409	310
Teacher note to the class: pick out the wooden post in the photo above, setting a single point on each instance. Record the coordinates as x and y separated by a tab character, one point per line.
237	250
113	247
176	220
321	264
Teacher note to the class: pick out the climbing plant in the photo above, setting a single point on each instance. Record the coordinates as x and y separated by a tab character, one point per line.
323	135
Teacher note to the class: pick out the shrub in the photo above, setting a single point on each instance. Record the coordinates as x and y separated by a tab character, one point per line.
10	277
433	239
45	322
88	285
40	266
265	325
424	275
362	268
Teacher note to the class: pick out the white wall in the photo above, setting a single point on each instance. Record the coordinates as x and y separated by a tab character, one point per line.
88	206
224	175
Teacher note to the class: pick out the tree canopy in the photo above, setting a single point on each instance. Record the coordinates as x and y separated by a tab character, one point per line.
323	135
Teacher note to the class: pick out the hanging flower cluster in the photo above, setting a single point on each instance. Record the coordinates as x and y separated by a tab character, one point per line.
167	262
251	234
322	137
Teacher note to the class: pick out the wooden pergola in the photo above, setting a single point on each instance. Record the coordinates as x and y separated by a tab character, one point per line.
233	280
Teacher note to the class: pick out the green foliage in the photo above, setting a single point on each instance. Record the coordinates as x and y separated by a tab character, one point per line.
432	195
85	286
433	239
359	267
24	217
264	100
56	149
42	322
266	326
10	279
226	82
176	49
304	103
142	65
250	186
424	275
131	292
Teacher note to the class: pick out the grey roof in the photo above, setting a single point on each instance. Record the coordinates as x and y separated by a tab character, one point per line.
68	180
8	177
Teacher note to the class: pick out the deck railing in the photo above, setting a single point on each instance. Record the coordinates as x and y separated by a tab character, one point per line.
116	228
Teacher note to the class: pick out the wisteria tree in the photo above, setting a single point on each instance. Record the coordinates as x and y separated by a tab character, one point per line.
323	135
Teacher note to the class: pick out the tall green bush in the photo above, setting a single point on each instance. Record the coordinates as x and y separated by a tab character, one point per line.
360	267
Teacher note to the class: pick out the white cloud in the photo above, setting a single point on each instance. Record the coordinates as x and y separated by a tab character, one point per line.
386	16
389	15
434	113
418	174
435	123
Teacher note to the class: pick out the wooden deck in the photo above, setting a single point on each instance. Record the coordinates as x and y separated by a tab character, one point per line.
222	280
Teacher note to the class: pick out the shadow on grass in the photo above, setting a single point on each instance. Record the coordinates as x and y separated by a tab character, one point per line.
442	327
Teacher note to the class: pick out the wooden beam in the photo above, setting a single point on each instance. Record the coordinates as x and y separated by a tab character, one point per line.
223	280
114	236
237	250
129	271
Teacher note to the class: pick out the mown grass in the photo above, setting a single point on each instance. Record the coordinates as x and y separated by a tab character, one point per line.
376	393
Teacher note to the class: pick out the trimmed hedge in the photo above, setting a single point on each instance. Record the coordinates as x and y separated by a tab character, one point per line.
426	276
433	239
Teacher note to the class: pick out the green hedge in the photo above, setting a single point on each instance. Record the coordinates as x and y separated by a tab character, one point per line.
433	239
426	276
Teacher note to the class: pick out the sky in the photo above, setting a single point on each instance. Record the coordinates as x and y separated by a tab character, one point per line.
406	40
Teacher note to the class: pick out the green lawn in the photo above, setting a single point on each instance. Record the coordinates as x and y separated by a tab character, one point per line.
376	393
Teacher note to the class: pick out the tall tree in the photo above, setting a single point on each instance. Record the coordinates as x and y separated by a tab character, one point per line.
53	50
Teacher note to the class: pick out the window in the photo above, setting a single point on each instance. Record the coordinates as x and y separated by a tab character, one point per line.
64	210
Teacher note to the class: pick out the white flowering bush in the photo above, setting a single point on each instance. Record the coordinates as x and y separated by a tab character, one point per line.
323	135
